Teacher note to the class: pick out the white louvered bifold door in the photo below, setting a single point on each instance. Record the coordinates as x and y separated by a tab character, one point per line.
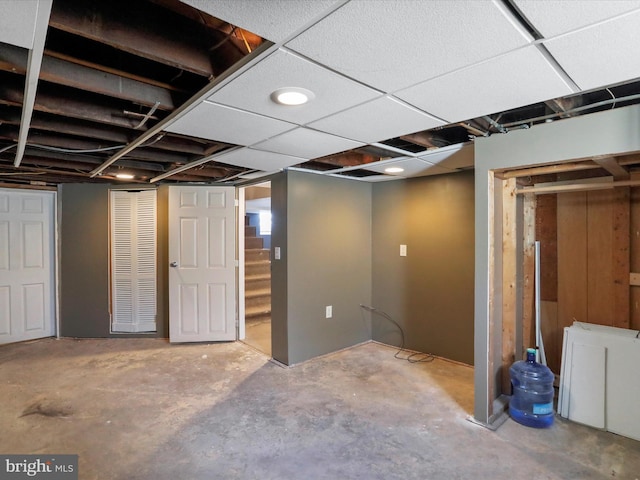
133	261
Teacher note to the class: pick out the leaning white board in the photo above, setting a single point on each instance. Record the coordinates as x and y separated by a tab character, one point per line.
610	402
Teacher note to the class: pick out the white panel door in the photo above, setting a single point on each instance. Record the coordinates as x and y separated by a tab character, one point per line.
202	272
26	265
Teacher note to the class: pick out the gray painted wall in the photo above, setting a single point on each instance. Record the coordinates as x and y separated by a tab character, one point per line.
279	283
84	262
430	291
610	132
327	257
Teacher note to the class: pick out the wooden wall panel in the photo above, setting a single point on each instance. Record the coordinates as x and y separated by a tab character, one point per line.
572	264
620	257
599	257
546	234
634	255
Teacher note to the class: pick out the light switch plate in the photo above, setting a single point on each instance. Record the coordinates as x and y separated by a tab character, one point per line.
276	253
403	250
329	311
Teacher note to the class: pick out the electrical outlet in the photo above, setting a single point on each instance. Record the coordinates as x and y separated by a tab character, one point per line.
328	311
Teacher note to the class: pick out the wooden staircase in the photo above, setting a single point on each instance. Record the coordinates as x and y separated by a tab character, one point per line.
257	276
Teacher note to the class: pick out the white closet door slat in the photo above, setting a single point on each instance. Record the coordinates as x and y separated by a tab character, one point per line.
133	260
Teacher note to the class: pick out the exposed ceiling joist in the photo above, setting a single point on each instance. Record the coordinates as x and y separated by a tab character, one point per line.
611	165
119	73
186	48
62	72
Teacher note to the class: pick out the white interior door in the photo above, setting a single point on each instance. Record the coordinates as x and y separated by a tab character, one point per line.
26	265
202	271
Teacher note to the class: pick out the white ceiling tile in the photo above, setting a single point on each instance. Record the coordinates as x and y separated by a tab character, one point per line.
306	143
225	124
602	55
518	78
453	157
554	17
274	20
17	22
251	91
393	44
376	121
413	167
258	159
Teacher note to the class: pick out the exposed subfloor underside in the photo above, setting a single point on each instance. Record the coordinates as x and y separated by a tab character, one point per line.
142	409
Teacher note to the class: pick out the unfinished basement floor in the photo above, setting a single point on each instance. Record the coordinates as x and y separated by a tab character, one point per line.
144	409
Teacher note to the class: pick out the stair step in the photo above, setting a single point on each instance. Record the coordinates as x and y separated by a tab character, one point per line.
263	303
255	314
257	268
251	281
256	255
250	231
253	242
257	287
258	292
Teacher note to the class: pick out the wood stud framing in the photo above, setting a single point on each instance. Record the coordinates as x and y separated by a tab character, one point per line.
509	279
598	257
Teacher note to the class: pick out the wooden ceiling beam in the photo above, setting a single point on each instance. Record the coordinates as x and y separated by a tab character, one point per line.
547	169
71	126
68	126
347	159
36	155
611	165
67	106
141	31
114	71
424	139
62	72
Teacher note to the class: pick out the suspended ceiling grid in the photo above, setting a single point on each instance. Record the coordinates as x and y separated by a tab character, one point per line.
392	81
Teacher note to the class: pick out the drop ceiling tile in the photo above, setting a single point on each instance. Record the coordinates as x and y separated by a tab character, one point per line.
554	17
518	78
376	121
225	124
17	22
306	143
274	20
601	55
413	167
258	159
251	91
452	158
393	44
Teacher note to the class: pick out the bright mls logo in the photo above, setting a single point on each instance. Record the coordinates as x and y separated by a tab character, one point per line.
50	467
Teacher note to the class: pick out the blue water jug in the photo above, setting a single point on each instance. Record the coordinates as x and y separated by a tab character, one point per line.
532	400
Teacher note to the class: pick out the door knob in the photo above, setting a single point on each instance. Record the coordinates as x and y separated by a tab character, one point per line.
173	264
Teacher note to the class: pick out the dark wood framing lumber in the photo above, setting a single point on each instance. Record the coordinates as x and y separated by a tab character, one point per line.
62	72
134	33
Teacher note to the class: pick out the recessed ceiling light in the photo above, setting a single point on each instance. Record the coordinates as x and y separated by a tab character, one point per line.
292	96
124	176
394	170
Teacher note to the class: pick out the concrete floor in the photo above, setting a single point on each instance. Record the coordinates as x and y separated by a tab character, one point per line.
144	409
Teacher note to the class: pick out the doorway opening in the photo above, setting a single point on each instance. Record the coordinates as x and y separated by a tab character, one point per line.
257	266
